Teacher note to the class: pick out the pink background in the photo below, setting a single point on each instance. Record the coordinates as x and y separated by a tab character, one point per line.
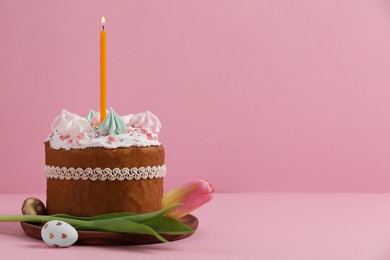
253	95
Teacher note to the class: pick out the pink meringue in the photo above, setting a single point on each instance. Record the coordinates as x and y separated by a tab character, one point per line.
58	121
145	120
70	124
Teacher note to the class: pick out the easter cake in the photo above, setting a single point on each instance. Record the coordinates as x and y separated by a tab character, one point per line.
94	167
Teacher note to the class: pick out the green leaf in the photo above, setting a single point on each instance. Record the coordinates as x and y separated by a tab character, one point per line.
166	225
146	216
151	223
120	225
127	215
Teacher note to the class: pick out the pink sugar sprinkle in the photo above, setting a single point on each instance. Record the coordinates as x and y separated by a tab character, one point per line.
111	138
149	136
64	137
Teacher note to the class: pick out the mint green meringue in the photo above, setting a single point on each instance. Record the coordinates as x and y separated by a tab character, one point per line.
112	124
90	115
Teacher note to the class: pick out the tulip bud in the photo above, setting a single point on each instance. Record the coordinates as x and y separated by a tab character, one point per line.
191	195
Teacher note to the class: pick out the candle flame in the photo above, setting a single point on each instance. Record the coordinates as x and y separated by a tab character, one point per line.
103	21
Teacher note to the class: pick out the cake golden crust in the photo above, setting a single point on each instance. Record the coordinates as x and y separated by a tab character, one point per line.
105	158
91	198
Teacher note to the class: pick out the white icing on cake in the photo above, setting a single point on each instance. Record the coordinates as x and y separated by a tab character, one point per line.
65	135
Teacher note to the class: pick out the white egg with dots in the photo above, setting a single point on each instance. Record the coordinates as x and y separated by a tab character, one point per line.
59	234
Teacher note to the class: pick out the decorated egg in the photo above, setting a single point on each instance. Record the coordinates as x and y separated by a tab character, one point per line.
59	234
33	206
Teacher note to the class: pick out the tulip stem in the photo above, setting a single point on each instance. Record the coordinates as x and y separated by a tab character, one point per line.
39	218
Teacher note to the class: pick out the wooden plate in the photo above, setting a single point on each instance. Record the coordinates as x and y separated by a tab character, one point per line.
110	238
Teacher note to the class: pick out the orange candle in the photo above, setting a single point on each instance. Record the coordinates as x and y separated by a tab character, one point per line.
103	90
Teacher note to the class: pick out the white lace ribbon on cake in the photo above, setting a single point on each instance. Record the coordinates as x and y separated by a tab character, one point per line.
64	173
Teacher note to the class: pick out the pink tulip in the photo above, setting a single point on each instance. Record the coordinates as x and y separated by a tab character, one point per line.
192	195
